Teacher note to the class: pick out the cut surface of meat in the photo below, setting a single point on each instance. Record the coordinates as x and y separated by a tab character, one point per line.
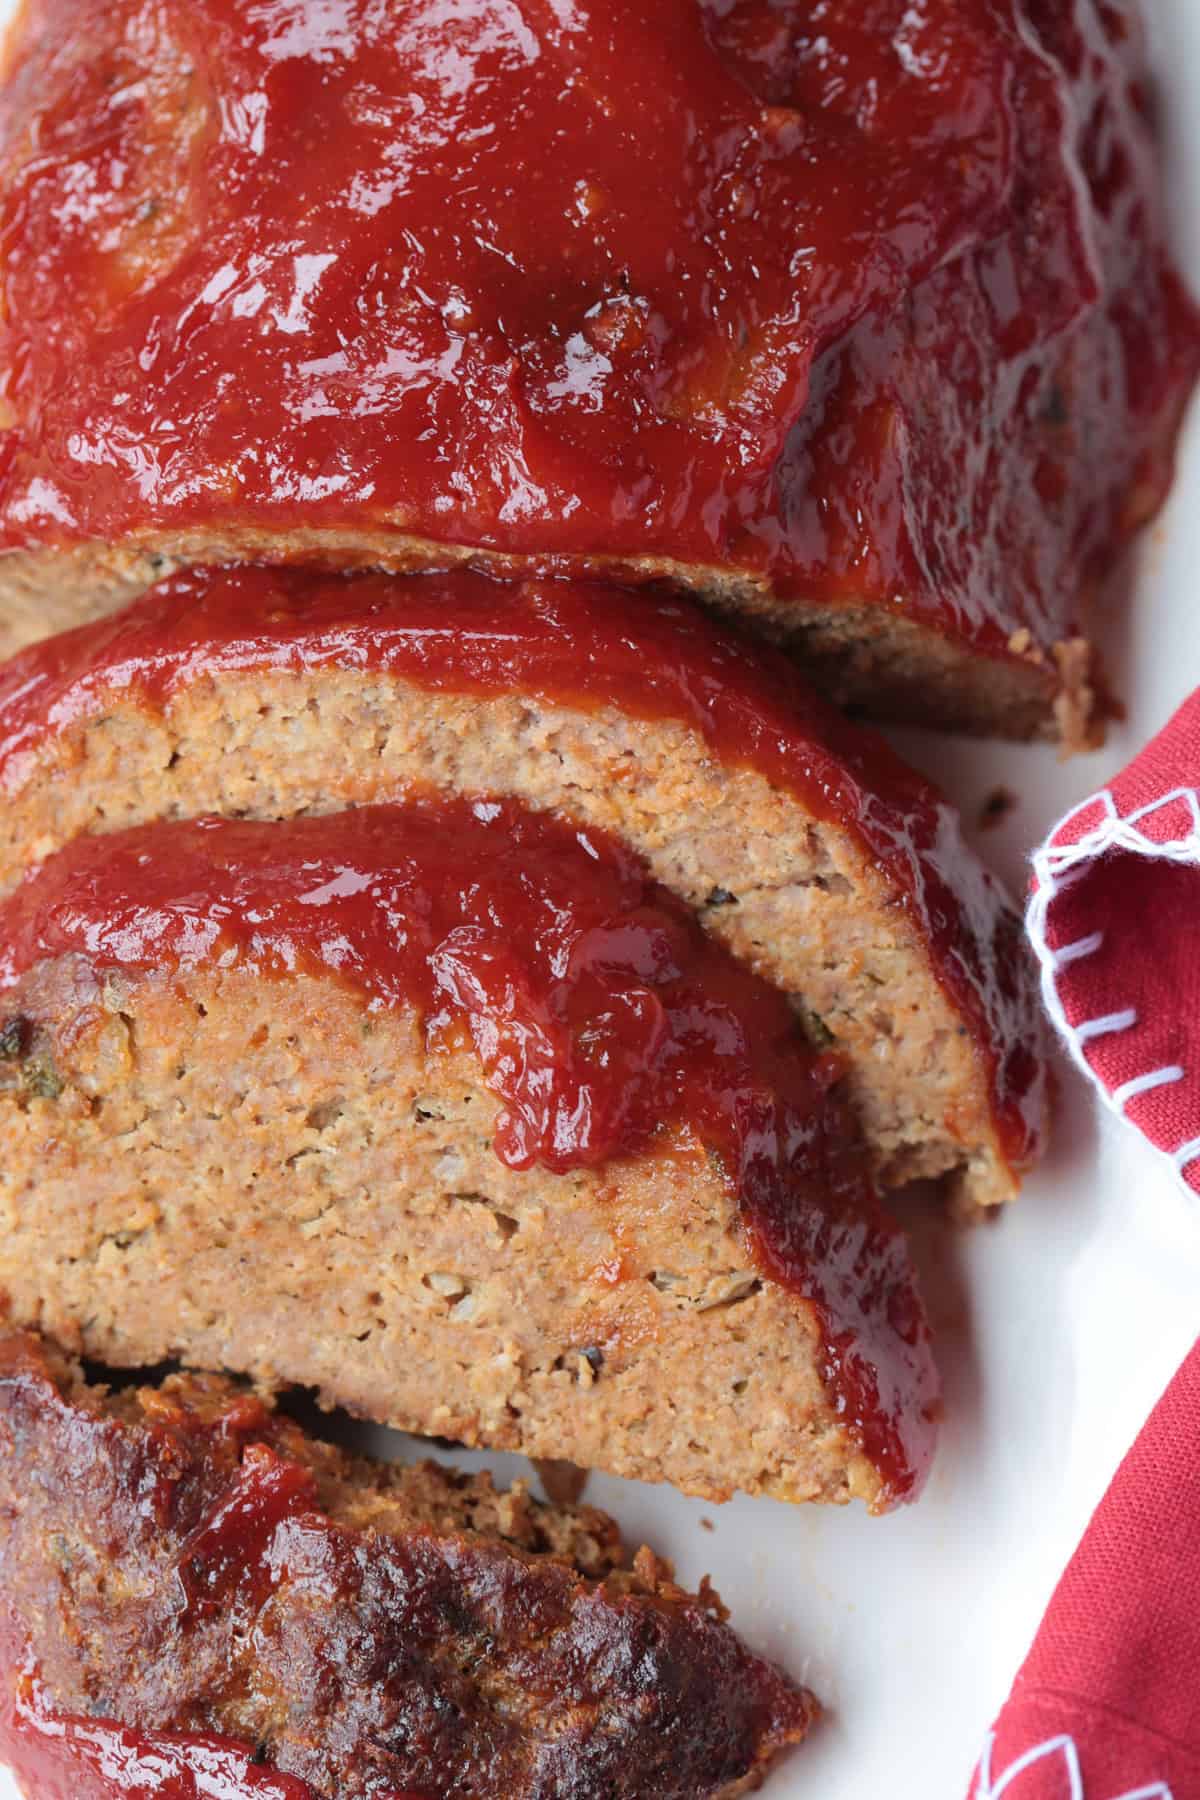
802	841
259	1073
200	1602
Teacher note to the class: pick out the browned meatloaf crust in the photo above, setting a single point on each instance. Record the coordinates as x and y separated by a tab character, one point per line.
804	843
858	323
183	1560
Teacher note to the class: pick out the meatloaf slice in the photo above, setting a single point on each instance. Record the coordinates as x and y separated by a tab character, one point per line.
805	845
179	1564
859	323
450	1112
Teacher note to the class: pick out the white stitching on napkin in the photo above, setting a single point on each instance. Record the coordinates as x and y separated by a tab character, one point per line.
1106	1026
1059	866
1084	946
1064	1745
1142	1084
1186	1153
989	1790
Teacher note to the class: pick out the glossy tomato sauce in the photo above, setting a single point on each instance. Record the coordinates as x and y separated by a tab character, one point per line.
63	1756
867	301
600	1011
653	656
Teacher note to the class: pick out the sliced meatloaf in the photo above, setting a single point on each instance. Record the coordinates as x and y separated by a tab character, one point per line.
198	1599
804	844
857	321
449	1111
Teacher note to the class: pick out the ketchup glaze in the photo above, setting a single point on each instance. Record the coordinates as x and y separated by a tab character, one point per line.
865	301
652	655
56	1755
600	1011
60	1756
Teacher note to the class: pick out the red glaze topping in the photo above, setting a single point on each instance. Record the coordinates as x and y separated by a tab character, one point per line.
56	1756
846	296
59	1756
223	1562
599	1009
655	657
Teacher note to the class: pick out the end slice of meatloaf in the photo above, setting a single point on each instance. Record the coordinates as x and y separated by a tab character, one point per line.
862	326
449	1111
197	1598
805	844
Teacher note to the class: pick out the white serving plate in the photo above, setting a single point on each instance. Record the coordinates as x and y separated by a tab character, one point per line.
1058	1325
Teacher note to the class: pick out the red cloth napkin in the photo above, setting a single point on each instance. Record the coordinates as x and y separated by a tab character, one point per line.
1115	920
1107	1705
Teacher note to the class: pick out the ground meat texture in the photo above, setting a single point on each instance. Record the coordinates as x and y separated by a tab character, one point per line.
462	1122
861	326
804	843
180	1561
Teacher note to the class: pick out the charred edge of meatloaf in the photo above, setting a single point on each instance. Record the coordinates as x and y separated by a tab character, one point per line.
185	1559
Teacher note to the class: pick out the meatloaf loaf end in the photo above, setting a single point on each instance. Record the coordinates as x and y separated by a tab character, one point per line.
862	326
198	1598
803	843
449	1111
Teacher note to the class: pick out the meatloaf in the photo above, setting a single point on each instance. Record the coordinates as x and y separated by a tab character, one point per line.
802	842
199	1600
857	320
449	1111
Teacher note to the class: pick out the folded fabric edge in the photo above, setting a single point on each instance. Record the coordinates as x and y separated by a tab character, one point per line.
1056	866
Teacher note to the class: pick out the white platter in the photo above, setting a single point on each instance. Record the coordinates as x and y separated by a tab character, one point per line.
1058	1326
